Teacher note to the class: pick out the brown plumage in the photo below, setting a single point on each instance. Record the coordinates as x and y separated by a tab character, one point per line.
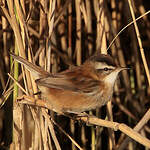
78	89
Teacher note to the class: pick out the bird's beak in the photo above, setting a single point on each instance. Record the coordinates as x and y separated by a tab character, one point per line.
125	68
122	68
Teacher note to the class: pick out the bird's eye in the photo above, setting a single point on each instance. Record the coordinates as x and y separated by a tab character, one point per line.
106	69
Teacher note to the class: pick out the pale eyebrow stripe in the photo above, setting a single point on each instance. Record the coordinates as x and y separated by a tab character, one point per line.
103	65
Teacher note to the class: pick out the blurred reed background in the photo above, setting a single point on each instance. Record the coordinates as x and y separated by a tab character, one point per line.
57	34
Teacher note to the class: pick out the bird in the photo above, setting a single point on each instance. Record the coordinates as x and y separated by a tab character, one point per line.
78	89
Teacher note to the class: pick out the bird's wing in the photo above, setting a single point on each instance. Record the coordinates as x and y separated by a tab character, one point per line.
72	82
56	83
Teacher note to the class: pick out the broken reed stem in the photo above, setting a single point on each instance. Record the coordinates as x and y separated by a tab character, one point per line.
137	128
117	126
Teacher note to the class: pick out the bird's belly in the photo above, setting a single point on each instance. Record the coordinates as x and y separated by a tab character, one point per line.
62	101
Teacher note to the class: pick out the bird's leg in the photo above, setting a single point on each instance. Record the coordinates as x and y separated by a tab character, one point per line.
84	115
79	115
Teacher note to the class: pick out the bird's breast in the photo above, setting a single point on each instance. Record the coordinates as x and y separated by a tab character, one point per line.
75	102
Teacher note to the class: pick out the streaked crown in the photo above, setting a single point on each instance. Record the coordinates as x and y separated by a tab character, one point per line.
105	67
103	63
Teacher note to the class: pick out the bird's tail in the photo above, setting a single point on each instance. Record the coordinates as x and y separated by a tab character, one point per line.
36	71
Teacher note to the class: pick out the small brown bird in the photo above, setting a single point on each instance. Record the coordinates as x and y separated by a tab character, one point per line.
78	89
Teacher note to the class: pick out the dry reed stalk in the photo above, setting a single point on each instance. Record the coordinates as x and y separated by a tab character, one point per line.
129	24
145	18
89	26
51	128
78	32
70	30
72	129
101	37
32	16
116	126
87	20
123	108
28	130
83	137
13	22
110	131
69	51
2	79
5	49
138	127
140	43
61	30
101	32
73	141
117	51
